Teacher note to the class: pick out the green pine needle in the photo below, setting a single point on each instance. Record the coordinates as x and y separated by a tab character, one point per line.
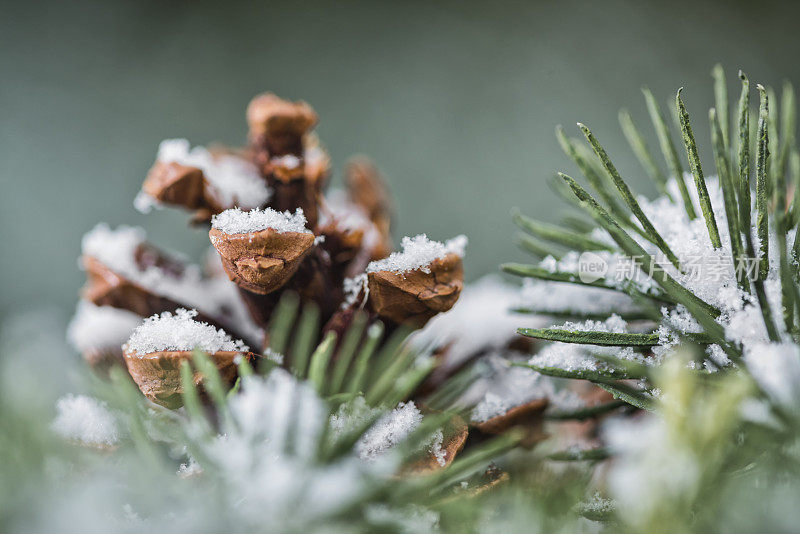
668	150
762	201
318	369
629	198
721	104
590	412
604	339
642	152
697	170
555	234
728	187
744	153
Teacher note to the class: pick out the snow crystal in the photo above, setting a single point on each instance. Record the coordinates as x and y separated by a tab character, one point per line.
435	444
353	287
599	504
508	386
95	327
288	161
350	416
566	356
408	520
236	221
115	248
650	467
678	319
418	252
144	203
614	324
85	420
180	332
189	469
578	357
491	406
279	409
388	431
236	181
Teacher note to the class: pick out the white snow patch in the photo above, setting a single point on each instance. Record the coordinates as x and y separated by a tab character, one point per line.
235	180
180	332
85	420
98	327
388	431
236	221
506	386
776	368
418	252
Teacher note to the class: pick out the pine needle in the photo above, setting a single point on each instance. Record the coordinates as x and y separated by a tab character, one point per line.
744	154
762	201
304	339
721	104
628	197
589	412
697	171
555	234
668	150
642	152
604	339
728	188
317	370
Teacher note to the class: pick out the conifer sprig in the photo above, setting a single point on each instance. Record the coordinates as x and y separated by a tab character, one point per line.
750	228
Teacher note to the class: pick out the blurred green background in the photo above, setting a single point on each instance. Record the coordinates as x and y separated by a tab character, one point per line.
456	101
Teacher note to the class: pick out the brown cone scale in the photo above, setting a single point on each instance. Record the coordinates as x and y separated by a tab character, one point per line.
528	417
277	126
454	434
261	262
415	296
158	374
366	188
104	287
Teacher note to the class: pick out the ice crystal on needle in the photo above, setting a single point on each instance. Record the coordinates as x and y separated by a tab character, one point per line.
578	357
389	430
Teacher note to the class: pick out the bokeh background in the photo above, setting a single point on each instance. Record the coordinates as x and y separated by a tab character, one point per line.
455	100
